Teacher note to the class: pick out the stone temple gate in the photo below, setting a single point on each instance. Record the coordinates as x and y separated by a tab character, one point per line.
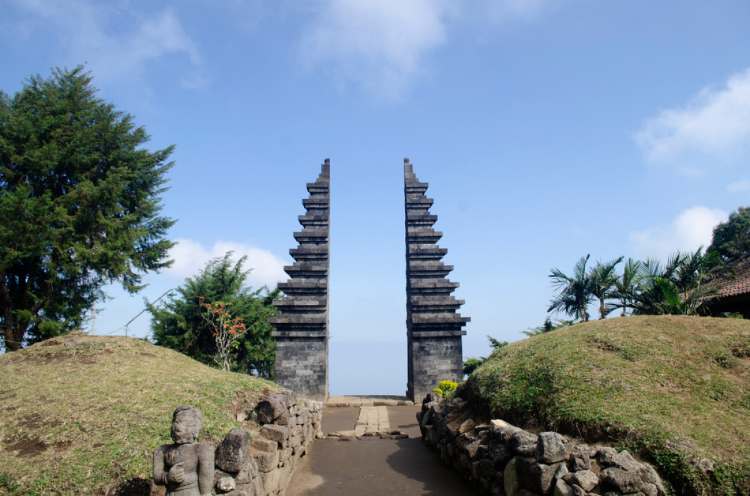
434	327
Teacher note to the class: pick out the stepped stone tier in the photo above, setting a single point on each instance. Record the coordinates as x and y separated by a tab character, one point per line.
434	328
301	325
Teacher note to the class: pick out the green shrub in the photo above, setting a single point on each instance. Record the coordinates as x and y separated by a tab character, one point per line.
445	389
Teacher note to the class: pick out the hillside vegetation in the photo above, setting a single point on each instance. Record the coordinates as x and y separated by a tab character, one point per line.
81	414
676	390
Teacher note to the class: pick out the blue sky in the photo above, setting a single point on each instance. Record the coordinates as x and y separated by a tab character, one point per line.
546	129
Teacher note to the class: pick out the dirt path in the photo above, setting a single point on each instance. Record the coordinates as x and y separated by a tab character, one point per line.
370	467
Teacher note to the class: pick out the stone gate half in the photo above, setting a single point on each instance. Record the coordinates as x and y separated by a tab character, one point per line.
301	325
434	328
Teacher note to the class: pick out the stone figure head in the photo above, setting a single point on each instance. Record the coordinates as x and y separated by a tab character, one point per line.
186	424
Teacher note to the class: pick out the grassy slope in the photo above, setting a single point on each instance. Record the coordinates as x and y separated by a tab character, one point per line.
80	413
675	388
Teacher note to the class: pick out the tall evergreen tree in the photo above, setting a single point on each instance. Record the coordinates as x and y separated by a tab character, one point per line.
79	203
179	322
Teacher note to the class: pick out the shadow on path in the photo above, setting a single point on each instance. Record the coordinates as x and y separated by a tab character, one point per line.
375	467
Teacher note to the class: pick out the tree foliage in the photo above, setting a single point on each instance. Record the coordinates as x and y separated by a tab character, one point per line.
644	287
731	241
603	280
79	203
179	323
574	291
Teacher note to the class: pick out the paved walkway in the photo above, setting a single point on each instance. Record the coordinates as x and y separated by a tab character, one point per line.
372	466
372	420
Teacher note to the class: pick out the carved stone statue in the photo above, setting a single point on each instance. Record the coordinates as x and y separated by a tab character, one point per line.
185	467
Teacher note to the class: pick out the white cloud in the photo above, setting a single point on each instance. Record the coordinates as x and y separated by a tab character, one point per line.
190	257
692	228
739	186
93	32
712	127
381	45
376	43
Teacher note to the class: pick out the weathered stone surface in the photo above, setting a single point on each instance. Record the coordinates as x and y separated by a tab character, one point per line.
504	459
580	459
261	467
301	325
225	484
621	480
585	478
181	464
263	444
550	448
510	478
562	488
624	460
277	433
502	430
466	426
524	443
434	328
232	452
266	461
535	476
271	408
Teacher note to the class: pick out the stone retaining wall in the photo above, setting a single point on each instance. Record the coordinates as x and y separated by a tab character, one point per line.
500	458
262	464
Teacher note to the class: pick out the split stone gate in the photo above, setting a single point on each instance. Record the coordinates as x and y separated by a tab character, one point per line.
434	327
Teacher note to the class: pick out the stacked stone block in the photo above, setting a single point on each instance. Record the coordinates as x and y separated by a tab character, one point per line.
501	459
301	325
434	327
262	463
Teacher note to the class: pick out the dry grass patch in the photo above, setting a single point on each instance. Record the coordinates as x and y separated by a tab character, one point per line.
81	414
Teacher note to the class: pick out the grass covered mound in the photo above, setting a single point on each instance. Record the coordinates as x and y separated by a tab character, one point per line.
81	414
674	389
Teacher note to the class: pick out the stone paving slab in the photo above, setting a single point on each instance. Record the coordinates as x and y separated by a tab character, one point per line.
372	420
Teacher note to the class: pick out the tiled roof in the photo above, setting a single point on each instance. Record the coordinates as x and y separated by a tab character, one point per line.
738	284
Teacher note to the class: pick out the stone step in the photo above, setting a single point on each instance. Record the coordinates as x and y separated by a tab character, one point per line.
438	318
428	268
304	287
425	252
312	234
429	286
434	302
307	269
310	252
300	303
422	235
316	203
299	319
422	202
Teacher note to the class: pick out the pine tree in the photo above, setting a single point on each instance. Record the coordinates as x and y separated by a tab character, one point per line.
79	203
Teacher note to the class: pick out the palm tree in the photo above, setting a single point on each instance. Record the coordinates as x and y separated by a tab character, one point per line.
628	284
573	291
603	284
677	288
